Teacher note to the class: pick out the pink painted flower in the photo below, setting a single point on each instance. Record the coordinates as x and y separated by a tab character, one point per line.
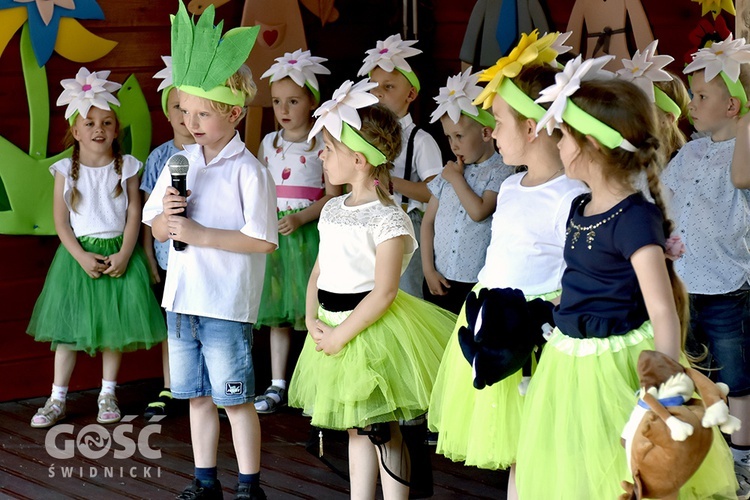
279	150
302	160
286	173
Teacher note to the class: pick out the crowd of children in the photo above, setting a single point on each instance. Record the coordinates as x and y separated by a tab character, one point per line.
579	189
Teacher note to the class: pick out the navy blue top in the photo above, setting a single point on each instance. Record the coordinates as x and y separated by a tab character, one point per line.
600	291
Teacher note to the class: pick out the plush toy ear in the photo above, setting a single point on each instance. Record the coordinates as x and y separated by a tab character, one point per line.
469	348
472	306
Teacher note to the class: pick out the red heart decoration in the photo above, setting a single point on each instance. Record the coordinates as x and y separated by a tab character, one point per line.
270	36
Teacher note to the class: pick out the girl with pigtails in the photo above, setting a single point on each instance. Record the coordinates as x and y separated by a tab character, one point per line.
96	297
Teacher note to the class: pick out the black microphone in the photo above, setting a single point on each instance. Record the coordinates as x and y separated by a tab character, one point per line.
178	167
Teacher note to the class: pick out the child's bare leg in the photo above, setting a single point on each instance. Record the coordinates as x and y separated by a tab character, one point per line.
280	339
512	492
111	364
395	456
363	466
245	436
204	431
65	361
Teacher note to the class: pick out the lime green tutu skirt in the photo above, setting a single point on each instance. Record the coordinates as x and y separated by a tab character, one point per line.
478	427
577	404
86	314
287	272
384	374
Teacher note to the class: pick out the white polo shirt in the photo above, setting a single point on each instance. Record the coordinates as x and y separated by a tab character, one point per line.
234	192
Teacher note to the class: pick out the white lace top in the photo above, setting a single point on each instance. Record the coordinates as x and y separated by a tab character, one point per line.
98	213
348	239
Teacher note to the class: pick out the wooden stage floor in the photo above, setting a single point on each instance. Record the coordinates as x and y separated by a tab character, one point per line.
96	471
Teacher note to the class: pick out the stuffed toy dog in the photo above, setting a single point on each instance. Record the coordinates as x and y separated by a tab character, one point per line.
670	432
502	333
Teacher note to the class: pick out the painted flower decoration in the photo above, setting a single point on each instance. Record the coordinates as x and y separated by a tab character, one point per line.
706	33
716	6
85	90
165	73
300	66
342	107
389	54
566	83
52	26
457	96
530	51
645	68
723	56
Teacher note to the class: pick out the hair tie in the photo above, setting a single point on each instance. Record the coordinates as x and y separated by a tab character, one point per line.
376	182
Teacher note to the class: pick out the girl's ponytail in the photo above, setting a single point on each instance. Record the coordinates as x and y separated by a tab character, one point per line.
118	168
75	195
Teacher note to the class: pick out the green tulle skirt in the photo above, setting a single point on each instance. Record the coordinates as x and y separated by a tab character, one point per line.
578	402
86	314
384	374
478	427
287	272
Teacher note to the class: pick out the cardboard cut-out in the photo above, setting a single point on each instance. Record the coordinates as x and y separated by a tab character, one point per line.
742	21
606	25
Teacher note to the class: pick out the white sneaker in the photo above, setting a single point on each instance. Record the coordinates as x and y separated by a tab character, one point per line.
743	478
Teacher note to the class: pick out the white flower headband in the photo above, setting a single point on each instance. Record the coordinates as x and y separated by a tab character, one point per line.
340	118
724	59
85	90
167	83
390	54
456	98
301	67
563	109
559	46
645	69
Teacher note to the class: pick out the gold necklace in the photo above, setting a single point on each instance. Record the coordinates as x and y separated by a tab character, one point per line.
590	230
283	150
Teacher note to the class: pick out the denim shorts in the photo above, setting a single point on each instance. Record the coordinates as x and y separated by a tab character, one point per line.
210	357
722	322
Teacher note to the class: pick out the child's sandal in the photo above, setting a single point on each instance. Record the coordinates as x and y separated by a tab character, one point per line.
52	412
109	412
271	405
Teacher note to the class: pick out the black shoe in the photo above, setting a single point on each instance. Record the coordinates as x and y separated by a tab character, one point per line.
248	492
163	406
195	492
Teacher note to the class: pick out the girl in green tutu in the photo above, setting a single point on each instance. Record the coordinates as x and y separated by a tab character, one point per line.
301	192
373	351
481	427
96	297
620	296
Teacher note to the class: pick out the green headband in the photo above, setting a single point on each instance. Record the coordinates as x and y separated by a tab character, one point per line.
357	143
519	101
736	90
412	77
588	125
484	118
220	93
165	99
315	92
666	104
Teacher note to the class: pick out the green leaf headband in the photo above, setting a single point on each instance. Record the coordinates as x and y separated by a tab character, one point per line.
340	118
390	54
563	109
203	61
301	67
518	100
456	99
167	84
86	90
724	59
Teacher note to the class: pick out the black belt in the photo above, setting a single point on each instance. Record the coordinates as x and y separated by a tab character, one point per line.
339	302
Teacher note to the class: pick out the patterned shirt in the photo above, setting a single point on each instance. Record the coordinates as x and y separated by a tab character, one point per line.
460	243
712	217
154	165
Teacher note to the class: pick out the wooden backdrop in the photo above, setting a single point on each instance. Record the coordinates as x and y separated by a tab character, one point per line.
142	29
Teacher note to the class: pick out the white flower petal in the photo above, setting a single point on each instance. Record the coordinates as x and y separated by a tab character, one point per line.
389	54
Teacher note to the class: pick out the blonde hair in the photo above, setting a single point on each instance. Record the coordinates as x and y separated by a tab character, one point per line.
240	81
625	108
75	165
672	137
